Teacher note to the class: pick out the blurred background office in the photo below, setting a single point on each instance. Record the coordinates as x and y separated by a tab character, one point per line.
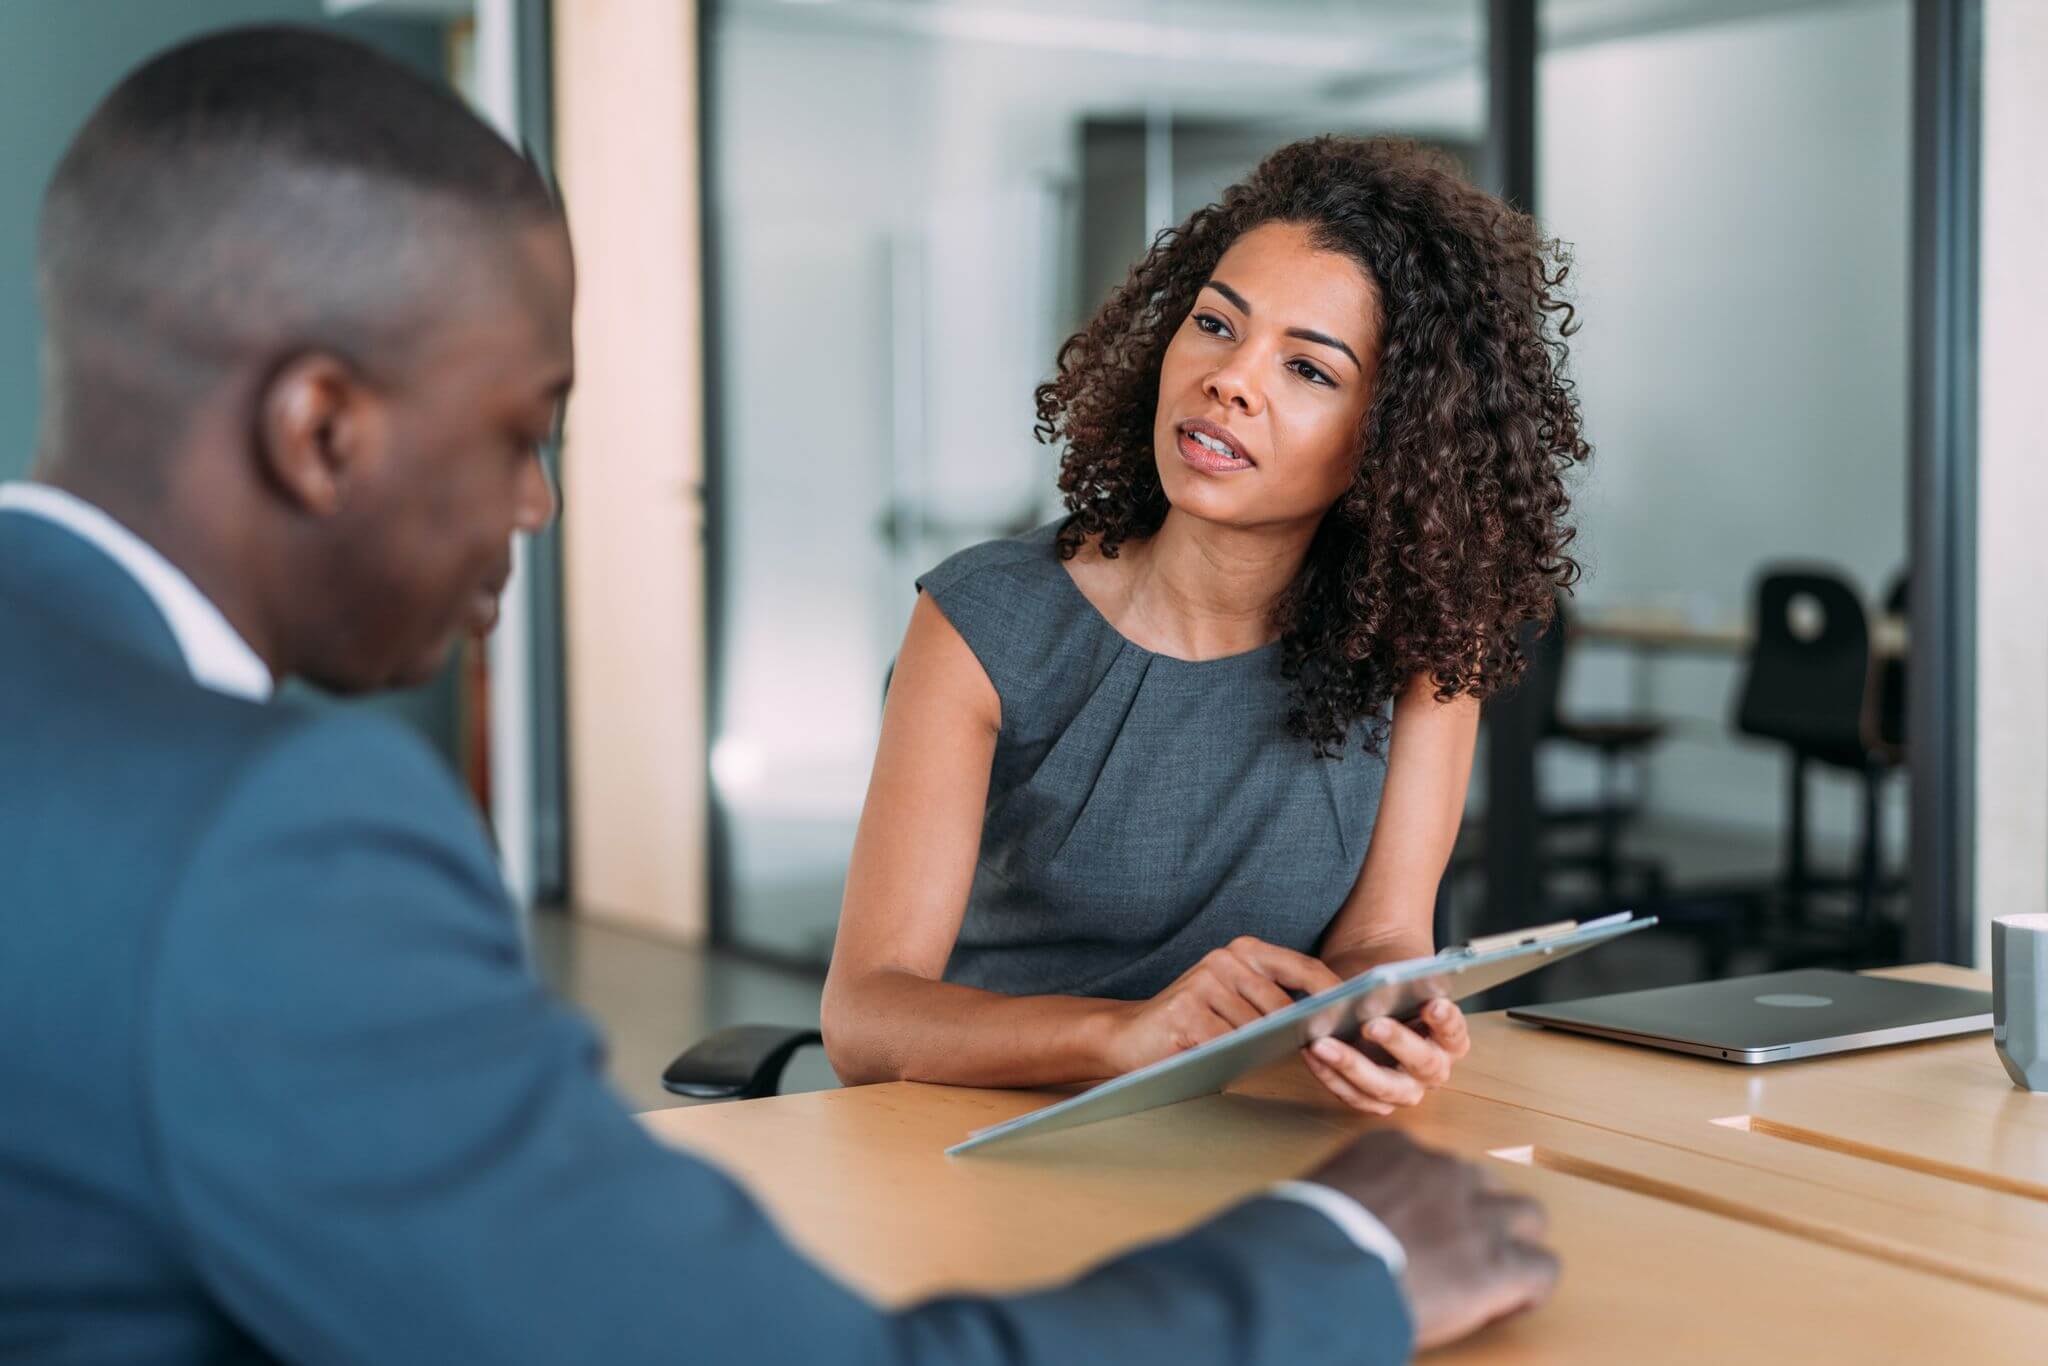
946	191
827	247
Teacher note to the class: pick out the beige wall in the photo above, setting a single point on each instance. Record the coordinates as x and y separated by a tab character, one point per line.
2012	484
633	461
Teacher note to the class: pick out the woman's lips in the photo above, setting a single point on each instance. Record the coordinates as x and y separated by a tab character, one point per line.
1206	458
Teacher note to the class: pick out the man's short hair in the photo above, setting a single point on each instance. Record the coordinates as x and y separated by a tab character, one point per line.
265	188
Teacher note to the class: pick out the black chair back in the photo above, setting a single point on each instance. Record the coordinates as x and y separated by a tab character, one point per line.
1809	669
1891	675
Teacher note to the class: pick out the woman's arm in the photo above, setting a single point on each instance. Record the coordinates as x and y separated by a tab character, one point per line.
1389	912
887	1016
1429	766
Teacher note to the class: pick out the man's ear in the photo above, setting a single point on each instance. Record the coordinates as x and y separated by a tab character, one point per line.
318	427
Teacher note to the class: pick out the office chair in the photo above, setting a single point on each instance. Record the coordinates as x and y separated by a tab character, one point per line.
743	1062
1810	687
1891	676
1615	740
1532	712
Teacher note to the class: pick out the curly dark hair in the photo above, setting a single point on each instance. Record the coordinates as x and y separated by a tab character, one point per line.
1452	534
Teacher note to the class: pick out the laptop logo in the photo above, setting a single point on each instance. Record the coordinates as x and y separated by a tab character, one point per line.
1798	1000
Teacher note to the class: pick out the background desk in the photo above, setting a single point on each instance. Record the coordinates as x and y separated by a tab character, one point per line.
1663	632
1882	1206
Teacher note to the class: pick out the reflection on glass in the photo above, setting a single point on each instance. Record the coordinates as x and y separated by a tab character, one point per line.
912	204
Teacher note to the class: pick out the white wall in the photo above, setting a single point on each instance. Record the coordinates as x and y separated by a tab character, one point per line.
2012	486
1738	197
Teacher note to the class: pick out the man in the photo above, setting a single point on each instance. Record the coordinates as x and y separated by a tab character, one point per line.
276	1082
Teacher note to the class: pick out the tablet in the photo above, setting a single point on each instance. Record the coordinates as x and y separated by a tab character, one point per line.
1396	989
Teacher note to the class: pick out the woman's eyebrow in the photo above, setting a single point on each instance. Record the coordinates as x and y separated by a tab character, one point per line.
1227	292
1323	339
1306	334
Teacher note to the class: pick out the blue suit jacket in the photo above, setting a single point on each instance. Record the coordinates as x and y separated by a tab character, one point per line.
275	1082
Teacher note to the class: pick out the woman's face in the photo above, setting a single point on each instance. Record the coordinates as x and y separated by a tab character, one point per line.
1265	386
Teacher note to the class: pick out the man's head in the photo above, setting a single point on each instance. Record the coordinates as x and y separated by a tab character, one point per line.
308	326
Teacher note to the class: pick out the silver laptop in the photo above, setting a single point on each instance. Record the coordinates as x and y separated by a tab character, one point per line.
1773	1017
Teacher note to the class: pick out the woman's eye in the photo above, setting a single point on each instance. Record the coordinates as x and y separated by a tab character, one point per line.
1309	372
1215	327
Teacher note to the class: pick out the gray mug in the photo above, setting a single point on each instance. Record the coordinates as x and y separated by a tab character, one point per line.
2019	997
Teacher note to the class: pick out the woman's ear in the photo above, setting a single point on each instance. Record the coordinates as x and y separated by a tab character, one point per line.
319	427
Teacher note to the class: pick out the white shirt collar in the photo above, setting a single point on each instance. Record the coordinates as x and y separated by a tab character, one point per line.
217	656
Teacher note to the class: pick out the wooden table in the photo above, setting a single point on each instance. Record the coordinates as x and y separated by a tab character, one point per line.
1873	1207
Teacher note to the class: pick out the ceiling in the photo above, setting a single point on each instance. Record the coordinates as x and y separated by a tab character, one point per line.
1358	38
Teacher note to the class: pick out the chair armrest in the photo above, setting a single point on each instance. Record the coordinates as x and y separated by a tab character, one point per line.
744	1062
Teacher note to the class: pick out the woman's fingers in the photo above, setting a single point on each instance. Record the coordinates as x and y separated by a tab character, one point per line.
1337	1085
1264	994
1423	1059
1448	1028
1295	971
1248	978
1383	1085
1227	1001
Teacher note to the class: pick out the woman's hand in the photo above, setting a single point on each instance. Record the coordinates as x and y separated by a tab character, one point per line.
1424	1059
1236	984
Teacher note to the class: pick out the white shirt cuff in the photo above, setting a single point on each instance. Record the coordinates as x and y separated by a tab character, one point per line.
1358	1223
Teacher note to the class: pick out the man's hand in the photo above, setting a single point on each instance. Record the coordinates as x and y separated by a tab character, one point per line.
1474	1254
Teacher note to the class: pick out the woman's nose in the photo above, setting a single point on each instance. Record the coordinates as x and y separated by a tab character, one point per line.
1231	386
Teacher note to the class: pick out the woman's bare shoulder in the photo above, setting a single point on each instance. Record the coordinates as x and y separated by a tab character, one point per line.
1103	580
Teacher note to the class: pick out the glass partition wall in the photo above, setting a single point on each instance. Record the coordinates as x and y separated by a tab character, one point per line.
1736	183
909	206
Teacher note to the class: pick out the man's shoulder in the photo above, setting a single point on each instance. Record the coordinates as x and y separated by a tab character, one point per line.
347	766
108	746
148	761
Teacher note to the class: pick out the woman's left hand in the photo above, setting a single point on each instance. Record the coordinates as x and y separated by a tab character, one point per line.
1424	1058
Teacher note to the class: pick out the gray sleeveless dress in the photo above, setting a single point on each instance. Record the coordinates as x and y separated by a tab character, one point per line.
1142	810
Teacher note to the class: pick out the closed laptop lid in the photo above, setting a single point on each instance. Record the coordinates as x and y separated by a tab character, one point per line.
1771	1010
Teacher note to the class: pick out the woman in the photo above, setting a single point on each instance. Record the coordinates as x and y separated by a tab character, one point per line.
1137	780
